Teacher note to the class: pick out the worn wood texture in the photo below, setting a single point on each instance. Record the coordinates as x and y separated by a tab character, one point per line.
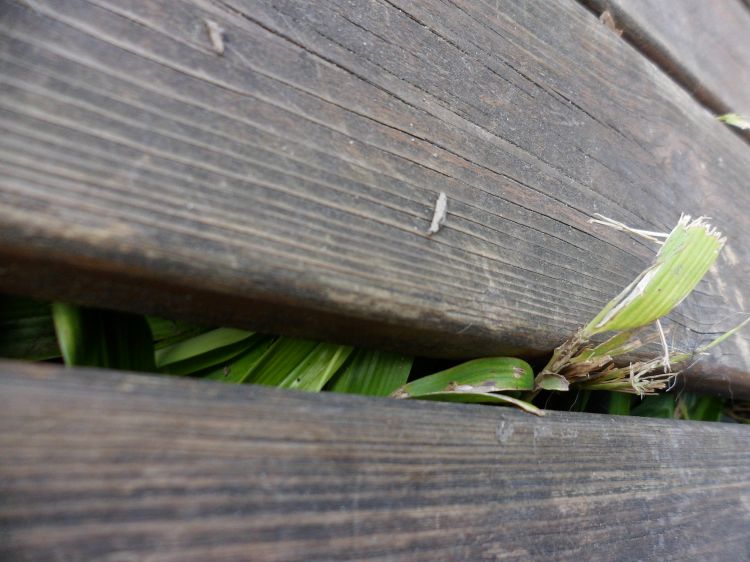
103	466
287	183
703	45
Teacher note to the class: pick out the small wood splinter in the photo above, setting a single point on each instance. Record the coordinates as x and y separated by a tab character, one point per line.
609	22
438	217
216	35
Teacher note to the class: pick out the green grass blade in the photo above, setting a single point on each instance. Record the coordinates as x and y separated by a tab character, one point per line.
659	406
700	408
372	373
27	330
707	408
202	351
76	347
170	332
237	369
279	360
208	360
301	364
619	403
103	338
687	254
485	375
319	368
480	398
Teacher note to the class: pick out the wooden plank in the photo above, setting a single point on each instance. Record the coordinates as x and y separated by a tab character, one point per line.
104	466
288	183
703	45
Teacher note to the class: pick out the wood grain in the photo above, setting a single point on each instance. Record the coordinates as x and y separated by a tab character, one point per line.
104	466
288	183
703	45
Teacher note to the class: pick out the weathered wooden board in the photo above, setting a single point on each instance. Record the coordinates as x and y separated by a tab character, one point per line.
703	45
287	183
104	466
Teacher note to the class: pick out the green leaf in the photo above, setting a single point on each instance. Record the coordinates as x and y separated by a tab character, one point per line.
479	398
203	351
27	330
659	406
489	374
103	338
372	373
619	403
700	408
69	326
735	120
687	254
237	368
170	332
301	364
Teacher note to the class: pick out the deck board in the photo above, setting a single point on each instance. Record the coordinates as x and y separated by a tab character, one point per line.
703	45
287	184
104	466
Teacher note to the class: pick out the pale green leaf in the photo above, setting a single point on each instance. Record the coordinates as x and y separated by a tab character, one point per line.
735	120
687	254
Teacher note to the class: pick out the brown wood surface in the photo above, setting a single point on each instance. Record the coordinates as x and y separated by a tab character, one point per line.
287	184
705	45
96	466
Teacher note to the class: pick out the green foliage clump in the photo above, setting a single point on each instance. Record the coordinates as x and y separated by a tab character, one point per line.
97	338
